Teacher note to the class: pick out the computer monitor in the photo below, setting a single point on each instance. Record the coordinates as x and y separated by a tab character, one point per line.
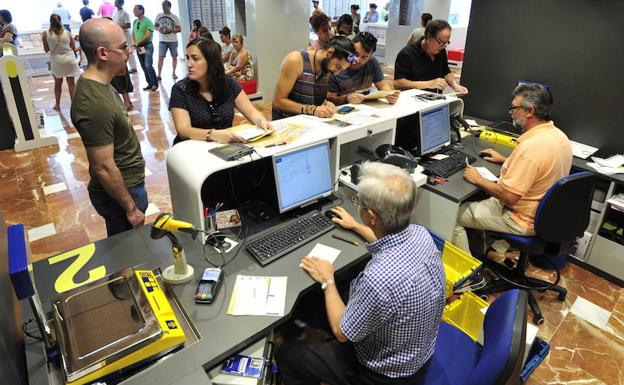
435	129
302	175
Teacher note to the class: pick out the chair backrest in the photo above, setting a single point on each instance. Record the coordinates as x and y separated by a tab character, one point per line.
563	213
504	335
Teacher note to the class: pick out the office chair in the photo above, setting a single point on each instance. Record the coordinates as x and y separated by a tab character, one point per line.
457	359
561	217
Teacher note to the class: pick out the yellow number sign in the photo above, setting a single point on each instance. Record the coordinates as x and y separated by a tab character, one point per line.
65	280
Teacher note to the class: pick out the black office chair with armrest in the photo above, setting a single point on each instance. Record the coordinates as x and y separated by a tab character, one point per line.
561	217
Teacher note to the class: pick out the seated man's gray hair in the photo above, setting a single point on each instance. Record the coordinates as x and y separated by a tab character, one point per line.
537	97
390	192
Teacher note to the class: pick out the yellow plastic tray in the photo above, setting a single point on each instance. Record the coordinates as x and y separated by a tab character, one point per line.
458	266
465	314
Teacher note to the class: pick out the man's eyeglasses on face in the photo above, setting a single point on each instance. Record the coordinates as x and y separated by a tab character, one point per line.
511	108
123	47
355	199
442	43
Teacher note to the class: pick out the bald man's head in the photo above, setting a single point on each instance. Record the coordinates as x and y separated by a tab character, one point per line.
95	33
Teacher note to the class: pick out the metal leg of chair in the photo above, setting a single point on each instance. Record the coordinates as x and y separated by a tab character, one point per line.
538	318
562	291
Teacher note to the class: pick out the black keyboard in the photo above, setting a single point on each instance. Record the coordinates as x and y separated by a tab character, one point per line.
446	167
269	247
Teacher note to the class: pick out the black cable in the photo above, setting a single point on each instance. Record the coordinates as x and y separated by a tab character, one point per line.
238	203
253	174
27	333
240	245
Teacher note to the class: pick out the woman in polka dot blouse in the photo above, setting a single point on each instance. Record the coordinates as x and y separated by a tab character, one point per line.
202	104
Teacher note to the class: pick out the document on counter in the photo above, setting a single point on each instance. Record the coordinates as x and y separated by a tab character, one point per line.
250	132
324	252
581	150
605	169
379	94
614	161
253	295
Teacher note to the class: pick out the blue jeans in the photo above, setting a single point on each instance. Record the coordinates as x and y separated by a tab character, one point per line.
147	63
172	46
115	215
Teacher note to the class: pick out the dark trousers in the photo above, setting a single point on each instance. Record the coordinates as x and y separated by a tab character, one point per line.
332	363
115	215
147	60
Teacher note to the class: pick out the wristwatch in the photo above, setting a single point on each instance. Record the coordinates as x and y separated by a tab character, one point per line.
208	133
325	284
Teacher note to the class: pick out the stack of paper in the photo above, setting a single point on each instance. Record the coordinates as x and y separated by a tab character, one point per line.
609	166
258	296
379	94
250	132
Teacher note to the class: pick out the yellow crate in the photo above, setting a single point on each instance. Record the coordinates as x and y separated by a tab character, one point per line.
458	266
465	314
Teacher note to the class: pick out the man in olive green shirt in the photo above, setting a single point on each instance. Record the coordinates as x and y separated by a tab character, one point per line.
142	32
116	166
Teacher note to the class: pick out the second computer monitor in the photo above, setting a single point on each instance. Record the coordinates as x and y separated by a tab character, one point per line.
302	175
435	129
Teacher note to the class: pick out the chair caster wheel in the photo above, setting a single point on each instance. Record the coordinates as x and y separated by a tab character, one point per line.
538	320
562	296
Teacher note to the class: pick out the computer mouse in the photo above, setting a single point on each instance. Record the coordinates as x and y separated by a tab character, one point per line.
330	214
483	154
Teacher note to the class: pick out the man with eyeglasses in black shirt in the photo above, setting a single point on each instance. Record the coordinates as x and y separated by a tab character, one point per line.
424	65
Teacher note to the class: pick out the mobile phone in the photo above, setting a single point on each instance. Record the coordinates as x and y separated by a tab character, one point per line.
346	109
209	285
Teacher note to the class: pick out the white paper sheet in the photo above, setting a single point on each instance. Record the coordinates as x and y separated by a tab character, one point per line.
581	150
606	170
487	174
253	295
613	161
324	252
251	133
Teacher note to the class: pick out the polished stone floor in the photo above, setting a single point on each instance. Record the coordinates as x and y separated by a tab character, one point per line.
45	189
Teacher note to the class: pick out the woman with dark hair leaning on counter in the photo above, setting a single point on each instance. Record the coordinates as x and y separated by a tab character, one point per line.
202	104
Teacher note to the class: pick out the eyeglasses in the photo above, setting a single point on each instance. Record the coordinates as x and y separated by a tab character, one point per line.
123	47
511	108
442	43
355	199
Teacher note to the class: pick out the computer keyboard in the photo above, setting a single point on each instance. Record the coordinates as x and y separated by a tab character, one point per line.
446	167
269	247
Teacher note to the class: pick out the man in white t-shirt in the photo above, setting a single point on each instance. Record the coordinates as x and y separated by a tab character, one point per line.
122	18
168	26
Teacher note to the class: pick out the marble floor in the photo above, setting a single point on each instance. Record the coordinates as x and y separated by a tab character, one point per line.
46	190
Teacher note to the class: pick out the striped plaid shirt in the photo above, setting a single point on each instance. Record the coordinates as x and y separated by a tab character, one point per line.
395	303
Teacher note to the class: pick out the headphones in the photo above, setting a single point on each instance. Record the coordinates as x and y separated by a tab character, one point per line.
395	155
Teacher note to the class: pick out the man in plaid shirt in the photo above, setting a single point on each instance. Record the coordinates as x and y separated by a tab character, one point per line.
386	332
